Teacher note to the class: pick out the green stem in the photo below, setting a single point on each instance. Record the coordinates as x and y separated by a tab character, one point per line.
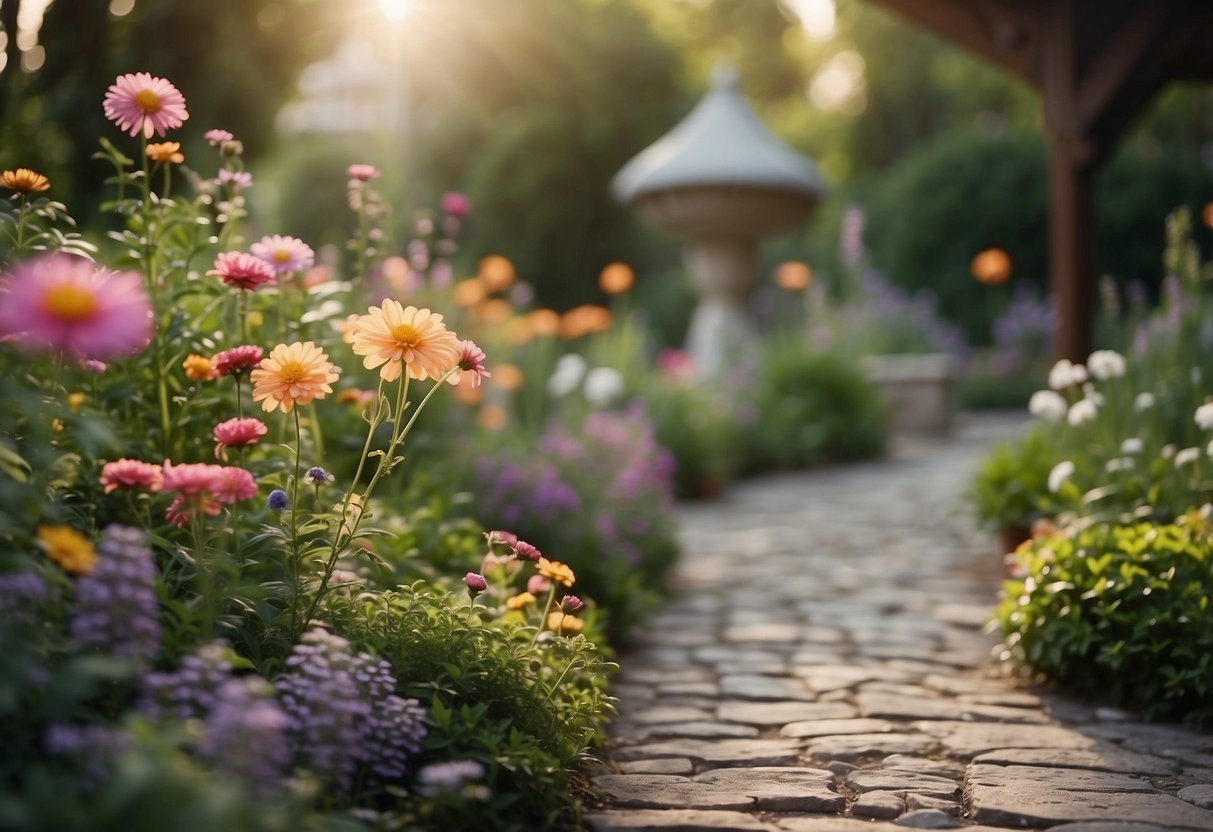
543	612
295	559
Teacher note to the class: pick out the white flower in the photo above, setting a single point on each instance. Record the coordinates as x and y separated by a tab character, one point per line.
1066	373
1204	416
1089	392
1186	457
1144	401
1061	472
1048	405
1132	445
1105	364
603	385
1082	411
1122	463
567	377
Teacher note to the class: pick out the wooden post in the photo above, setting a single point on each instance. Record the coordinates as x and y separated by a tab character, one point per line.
1071	246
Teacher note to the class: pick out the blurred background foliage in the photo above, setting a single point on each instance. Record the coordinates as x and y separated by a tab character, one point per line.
530	106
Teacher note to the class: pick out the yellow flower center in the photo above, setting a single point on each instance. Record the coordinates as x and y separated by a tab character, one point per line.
406	335
147	101
282	255
292	372
69	303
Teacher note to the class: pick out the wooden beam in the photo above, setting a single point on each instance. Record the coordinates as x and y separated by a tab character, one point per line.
995	29
1132	49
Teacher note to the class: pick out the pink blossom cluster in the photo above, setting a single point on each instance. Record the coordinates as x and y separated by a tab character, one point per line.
204	488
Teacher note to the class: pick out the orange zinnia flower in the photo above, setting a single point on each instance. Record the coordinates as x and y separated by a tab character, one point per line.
292	374
556	570
394	336
166	152
68	548
24	180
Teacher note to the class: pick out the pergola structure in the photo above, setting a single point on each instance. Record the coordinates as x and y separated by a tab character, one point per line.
1096	63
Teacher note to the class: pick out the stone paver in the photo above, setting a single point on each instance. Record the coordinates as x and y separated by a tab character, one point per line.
824	668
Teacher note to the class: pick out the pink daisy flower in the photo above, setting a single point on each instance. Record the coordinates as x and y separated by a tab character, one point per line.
183	509
140	102
132	474
236	432
471	363
525	551
285	254
363	173
232	484
191	479
217	137
68	304
236	361
242	270
240	178
455	204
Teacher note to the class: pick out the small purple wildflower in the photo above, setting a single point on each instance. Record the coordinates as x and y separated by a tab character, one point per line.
317	475
191	691
277	500
443	777
344	712
116	608
246	734
91	747
22	596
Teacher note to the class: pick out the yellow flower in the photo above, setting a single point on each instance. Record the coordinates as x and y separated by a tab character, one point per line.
75	400
556	570
395	336
517	602
166	152
292	374
560	622
198	368
68	548
24	180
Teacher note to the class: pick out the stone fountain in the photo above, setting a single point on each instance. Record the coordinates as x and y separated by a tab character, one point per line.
722	182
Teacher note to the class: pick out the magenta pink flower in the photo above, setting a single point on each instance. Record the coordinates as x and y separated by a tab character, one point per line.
571	603
131	474
239	178
242	270
471	363
525	551
184	508
538	584
235	432
455	204
236	361
475	583
93	365
217	137
503	537
232	484
362	173
67	304
284	254
140	102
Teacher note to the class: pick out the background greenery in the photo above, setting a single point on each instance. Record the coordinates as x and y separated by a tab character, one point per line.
532	126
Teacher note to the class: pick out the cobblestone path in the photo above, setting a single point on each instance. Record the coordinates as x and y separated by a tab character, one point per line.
823	667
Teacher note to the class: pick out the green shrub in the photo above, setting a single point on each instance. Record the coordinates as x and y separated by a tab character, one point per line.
1122	613
701	428
1012	486
813	407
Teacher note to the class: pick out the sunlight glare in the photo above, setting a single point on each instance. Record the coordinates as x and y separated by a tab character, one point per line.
817	17
395	9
